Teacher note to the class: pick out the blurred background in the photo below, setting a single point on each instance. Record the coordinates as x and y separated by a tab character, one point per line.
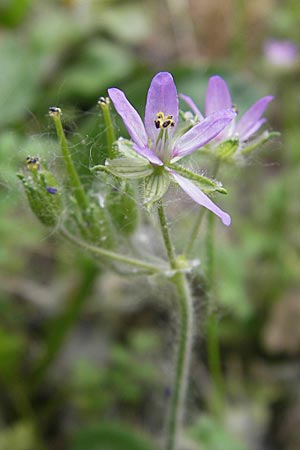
82	348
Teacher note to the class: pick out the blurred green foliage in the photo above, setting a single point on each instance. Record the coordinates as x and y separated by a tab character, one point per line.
67	53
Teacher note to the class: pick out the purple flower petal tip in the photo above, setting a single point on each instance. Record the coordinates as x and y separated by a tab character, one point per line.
199	197
217	95
226	219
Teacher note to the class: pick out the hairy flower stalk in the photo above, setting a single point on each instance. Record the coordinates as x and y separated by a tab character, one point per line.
185	339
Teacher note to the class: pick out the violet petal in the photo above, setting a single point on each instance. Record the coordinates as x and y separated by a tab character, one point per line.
130	117
199	197
217	95
190	102
202	133
251	116
148	154
162	97
255	127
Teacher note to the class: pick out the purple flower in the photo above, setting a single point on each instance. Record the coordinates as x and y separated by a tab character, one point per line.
283	53
218	98
155	139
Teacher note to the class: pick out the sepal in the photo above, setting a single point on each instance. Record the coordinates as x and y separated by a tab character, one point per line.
206	184
132	168
156	185
123	147
227	149
259	141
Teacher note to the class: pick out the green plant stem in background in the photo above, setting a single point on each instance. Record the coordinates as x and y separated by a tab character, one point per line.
185	338
197	224
74	179
61	325
213	347
194	234
104	104
114	257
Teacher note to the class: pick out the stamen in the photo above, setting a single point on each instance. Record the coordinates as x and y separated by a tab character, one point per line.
32	163
157	123
235	108
163	121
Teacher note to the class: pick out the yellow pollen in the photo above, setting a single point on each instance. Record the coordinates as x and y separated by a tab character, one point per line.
162	121
32	163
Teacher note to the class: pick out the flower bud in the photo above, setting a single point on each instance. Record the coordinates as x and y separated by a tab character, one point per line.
121	205
42	192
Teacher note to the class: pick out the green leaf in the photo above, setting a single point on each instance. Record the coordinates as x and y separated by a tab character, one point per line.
207	185
110	437
19	437
212	435
129	167
156	185
18	78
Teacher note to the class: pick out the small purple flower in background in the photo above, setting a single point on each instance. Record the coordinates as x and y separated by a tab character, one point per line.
218	98
156	138
51	190
281	53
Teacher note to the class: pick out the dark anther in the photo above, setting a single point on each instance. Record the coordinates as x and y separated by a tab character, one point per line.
157	123
54	110
103	101
166	123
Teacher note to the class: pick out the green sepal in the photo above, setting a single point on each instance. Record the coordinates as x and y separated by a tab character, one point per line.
156	185
43	196
132	168
262	139
227	149
121	204
207	185
123	147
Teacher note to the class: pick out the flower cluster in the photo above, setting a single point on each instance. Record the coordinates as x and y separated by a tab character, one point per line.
158	142
240	133
161	145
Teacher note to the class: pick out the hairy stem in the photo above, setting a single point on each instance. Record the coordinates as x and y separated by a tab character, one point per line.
185	338
114	257
74	180
104	104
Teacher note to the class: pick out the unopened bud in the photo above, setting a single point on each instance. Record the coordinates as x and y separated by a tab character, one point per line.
42	192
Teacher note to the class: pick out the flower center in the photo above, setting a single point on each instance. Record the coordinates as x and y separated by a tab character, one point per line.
162	121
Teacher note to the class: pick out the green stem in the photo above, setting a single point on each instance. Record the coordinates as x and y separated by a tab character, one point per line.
196	227
185	338
61	325
194	234
79	193
213	348
116	257
166	236
104	104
